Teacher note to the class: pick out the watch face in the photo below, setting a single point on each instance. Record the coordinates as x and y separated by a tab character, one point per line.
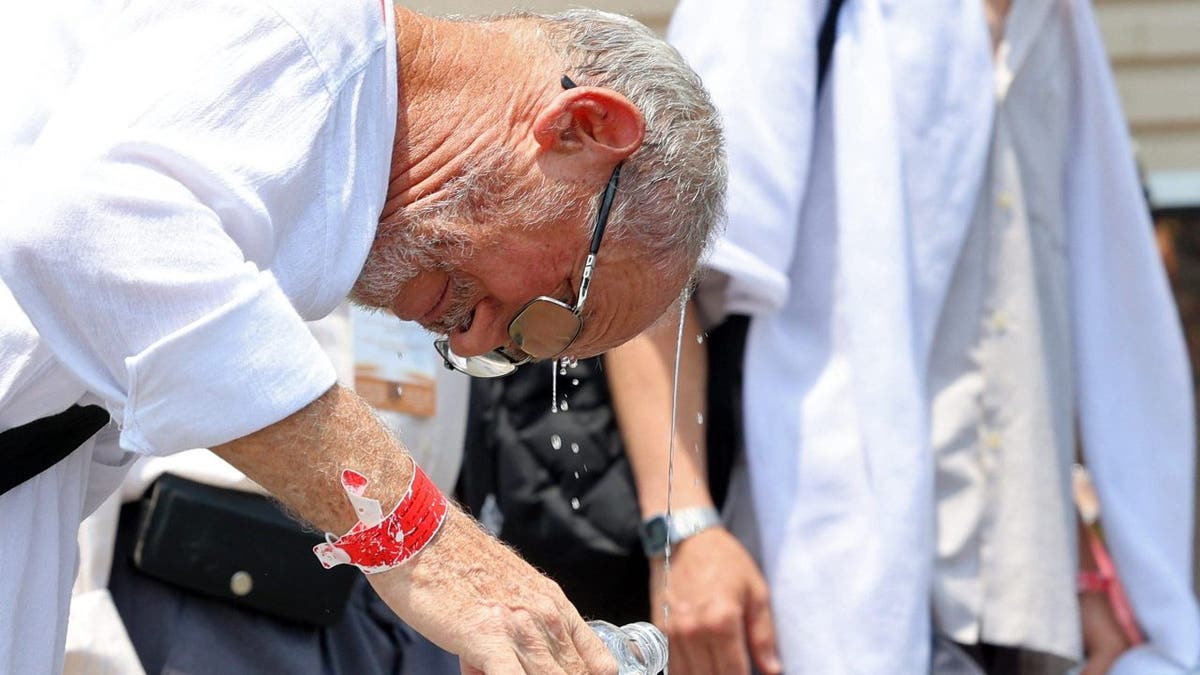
654	534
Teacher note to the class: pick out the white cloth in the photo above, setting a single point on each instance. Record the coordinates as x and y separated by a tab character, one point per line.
846	532
845	224
97	642
185	183
1000	371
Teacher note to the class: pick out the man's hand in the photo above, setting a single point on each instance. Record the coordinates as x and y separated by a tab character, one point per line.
718	597
1103	640
474	597
465	590
718	606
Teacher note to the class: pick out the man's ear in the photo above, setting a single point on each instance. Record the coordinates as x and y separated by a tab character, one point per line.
583	132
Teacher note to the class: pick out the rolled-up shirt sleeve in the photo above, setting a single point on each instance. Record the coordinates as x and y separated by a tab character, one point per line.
140	291
143	232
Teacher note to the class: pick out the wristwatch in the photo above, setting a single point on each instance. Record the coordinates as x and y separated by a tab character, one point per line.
658	529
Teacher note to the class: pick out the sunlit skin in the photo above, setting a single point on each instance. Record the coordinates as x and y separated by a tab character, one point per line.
576	136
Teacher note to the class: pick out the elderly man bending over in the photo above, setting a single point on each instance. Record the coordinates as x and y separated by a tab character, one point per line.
186	184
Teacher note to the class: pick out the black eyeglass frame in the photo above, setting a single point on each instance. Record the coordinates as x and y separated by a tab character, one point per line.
499	361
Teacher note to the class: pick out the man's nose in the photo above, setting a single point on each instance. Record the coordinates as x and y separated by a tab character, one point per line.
488	329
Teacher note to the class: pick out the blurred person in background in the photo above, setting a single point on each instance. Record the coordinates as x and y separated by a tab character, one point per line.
952	285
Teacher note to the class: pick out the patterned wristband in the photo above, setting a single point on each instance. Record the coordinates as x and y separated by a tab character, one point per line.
378	543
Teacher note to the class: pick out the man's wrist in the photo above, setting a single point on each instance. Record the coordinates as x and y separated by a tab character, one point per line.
660	530
381	542
1092	581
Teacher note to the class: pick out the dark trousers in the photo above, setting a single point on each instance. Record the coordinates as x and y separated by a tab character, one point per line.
953	658
178	632
999	660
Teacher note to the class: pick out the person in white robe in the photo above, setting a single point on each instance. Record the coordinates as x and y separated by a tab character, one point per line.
953	284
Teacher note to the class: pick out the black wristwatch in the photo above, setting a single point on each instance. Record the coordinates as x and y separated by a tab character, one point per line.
657	530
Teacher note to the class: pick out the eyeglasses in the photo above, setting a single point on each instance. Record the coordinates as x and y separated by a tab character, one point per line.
545	327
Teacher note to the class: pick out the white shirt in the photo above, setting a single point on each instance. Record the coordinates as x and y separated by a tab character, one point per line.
184	185
97	642
1000	374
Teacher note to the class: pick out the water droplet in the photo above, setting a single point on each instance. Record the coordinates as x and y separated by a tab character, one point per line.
574	447
585	469
562	371
699	418
575	381
556	441
575	503
564	405
699	338
576	475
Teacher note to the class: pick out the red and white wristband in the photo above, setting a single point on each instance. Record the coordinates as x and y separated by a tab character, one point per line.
377	542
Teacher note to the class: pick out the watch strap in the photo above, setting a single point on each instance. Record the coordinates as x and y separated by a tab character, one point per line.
682	524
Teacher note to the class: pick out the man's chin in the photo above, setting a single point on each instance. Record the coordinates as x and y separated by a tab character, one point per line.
367	301
440	327
449	324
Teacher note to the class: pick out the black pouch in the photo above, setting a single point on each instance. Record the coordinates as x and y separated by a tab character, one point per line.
240	547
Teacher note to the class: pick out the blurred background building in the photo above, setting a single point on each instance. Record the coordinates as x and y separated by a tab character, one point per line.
1155	53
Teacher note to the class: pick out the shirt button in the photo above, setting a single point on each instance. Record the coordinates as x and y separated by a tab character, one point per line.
998	321
241	583
991	440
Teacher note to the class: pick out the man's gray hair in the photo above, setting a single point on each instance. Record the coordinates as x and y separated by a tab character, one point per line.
672	190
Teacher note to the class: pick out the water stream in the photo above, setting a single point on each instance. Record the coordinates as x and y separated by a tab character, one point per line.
554	386
683	299
559	367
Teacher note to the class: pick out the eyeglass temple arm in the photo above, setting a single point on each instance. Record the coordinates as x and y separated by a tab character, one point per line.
597	234
601	220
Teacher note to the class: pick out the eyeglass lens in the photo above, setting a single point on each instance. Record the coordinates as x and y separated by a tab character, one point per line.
492	364
545	328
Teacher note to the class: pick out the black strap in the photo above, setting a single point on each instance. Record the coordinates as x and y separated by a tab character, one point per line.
724	426
825	41
32	448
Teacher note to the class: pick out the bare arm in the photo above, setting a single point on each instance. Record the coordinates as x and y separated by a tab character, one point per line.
466	591
717	596
640	374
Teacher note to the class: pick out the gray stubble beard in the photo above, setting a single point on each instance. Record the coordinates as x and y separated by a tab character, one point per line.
438	235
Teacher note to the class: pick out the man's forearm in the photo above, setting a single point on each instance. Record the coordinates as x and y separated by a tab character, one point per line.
466	592
299	459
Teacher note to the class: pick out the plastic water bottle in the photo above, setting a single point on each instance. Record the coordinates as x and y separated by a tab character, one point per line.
639	648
